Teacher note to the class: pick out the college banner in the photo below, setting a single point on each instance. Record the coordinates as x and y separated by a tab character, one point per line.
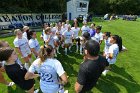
28	19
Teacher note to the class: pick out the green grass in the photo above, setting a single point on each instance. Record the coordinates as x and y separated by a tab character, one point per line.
125	74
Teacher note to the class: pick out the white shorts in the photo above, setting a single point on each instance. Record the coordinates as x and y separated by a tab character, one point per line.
68	41
111	61
49	89
26	53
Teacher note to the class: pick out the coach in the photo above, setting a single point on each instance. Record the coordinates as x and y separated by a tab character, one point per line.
91	69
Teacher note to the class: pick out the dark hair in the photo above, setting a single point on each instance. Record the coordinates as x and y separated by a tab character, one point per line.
86	35
28	34
108	34
5	53
44	52
45	23
31	32
92	47
118	41
99	27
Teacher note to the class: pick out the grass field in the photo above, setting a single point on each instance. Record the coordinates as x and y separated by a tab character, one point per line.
125	74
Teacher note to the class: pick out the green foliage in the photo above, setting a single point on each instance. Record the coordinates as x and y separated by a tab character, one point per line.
115	6
36	6
99	7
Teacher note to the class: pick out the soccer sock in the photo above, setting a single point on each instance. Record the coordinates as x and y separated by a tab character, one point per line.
77	47
70	47
26	65
57	49
81	49
55	53
66	50
105	72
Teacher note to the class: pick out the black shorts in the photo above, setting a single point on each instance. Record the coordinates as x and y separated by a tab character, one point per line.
27	85
77	40
87	89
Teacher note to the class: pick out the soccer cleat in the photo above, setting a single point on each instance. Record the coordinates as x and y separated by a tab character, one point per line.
10	84
36	91
66	91
105	72
58	52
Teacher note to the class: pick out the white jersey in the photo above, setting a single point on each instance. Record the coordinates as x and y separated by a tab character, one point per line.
68	36
98	37
49	72
33	43
85	29
115	50
67	25
53	30
63	29
75	32
55	38
60	31
107	45
24	35
23	45
51	42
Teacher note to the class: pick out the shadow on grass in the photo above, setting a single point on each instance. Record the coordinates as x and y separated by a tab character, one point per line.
68	63
121	71
109	83
16	90
97	19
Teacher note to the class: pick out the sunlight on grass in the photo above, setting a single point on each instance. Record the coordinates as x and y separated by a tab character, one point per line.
124	77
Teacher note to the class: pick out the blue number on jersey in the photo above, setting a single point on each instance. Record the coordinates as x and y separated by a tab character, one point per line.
46	77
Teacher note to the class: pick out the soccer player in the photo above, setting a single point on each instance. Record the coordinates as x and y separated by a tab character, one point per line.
16	72
116	46
22	46
76	38
85	28
91	69
34	44
2	80
49	69
106	37
67	36
98	35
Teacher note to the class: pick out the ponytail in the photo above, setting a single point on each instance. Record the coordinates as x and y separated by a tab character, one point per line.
31	33
45	52
28	34
118	41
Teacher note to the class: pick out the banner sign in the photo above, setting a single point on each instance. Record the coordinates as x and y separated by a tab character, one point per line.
11	19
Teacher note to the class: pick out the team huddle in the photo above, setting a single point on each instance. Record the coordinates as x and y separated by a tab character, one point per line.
53	77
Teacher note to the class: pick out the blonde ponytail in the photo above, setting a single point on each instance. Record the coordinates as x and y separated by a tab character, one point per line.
44	53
